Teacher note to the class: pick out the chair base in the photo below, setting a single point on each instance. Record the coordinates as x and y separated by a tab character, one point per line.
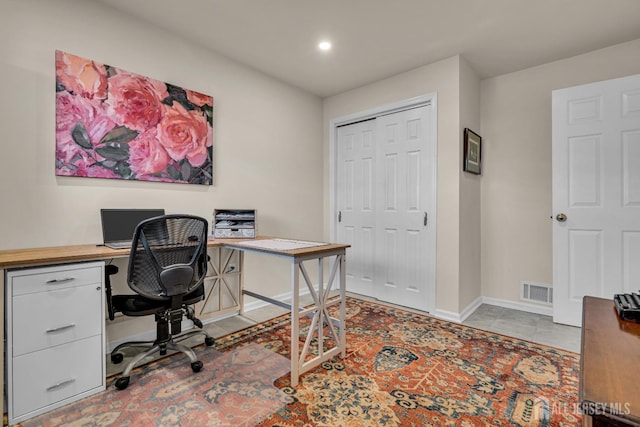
157	347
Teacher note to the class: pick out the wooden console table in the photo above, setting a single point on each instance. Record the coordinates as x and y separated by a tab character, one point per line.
609	366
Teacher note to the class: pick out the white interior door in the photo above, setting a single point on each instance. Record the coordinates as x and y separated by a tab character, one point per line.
386	193
402	233
596	193
356	192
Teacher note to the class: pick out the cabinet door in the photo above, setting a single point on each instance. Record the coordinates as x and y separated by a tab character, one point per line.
386	198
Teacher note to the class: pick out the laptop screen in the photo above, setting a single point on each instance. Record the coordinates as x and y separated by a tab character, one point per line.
119	224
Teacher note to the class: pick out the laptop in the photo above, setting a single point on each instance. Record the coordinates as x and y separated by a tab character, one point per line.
118	225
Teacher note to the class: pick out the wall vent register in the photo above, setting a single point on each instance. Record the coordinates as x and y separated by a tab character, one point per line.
536	292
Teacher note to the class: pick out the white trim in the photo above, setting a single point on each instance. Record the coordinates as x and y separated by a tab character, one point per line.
452	316
522	306
449	316
426	99
471	308
391	108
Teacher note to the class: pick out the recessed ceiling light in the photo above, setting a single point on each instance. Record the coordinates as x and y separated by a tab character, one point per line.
324	45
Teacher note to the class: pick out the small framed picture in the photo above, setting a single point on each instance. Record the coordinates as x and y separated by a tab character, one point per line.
472	152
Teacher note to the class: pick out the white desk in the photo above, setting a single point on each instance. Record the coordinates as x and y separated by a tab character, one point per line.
319	311
298	253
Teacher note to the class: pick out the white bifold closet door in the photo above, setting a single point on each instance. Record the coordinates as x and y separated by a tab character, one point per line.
385	199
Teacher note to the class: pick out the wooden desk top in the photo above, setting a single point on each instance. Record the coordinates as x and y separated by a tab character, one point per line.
12	258
311	251
610	362
57	254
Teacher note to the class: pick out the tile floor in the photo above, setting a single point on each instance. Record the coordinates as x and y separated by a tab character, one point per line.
532	327
529	326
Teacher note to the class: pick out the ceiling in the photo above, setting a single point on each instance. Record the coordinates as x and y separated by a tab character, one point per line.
374	39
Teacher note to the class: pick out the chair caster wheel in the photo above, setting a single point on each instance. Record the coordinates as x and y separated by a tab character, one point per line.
209	341
117	358
196	366
122	383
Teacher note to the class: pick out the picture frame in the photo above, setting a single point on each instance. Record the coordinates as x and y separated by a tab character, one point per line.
472	152
116	124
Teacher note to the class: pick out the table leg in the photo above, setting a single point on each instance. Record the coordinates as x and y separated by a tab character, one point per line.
295	323
2	329
320	316
318	311
343	306
240	279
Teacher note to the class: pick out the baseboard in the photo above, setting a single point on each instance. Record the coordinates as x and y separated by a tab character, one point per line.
522	306
452	316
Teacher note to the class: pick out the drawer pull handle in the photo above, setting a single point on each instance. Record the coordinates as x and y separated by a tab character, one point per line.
61	384
61	328
58	281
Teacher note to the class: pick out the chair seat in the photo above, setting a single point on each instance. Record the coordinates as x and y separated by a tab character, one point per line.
137	305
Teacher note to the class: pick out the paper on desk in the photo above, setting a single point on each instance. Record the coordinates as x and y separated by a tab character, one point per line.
279	244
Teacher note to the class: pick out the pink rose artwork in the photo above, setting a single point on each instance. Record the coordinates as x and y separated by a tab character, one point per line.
111	123
184	135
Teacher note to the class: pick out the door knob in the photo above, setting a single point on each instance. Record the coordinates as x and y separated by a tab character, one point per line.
561	217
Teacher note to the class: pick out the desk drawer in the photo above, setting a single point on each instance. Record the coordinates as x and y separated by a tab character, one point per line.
52	375
56	317
50	278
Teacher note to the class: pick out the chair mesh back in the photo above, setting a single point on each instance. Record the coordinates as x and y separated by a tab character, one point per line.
162	242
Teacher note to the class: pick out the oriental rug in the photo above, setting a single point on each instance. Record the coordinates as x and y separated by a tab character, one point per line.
401	369
234	389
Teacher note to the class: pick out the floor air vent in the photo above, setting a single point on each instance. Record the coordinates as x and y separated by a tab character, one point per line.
537	292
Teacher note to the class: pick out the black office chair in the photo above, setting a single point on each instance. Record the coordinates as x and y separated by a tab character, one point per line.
167	267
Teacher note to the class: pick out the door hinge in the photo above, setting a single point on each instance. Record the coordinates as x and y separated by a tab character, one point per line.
339	216
426	217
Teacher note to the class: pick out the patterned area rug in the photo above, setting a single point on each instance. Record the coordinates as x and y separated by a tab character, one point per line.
401	369
234	389
405	369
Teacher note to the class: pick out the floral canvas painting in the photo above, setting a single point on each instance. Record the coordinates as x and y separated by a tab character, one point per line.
111	123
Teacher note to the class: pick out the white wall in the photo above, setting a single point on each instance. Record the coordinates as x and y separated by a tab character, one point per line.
516	182
493	230
267	135
470	193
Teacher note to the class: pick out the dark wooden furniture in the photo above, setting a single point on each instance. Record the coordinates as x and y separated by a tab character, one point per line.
609	366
